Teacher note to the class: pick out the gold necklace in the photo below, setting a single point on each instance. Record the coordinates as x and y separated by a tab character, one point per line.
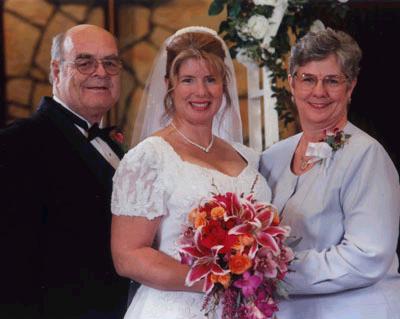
304	163
204	149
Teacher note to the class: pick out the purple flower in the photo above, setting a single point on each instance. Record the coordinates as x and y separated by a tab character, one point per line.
265	304
229	301
248	284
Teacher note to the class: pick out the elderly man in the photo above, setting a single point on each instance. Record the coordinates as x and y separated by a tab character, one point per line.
56	173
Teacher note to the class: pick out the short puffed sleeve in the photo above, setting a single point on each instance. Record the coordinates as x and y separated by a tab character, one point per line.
138	189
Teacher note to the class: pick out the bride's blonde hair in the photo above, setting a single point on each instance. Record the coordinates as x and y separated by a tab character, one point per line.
197	45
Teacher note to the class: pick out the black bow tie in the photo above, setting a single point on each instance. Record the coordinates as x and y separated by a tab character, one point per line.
104	133
94	131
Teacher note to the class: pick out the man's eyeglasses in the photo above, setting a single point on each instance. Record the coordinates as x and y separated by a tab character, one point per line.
307	82
88	65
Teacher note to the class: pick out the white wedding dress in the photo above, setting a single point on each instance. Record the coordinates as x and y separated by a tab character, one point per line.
152	180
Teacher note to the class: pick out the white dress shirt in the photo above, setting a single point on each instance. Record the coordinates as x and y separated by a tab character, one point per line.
100	145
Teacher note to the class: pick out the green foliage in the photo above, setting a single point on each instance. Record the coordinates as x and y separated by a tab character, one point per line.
297	19
216	7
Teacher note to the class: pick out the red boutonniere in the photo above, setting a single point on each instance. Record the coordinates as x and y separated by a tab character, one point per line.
118	138
116	135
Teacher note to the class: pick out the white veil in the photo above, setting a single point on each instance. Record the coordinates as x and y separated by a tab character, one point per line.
152	117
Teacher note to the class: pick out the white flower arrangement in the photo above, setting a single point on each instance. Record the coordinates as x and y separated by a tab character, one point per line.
257	26
258	32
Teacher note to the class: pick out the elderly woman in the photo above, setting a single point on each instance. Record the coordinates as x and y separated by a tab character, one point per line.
338	190
193	150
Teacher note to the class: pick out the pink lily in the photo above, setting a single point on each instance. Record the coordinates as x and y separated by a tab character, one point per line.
231	203
205	264
260	227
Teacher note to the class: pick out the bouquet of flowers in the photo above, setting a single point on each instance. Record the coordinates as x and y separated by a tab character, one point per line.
237	246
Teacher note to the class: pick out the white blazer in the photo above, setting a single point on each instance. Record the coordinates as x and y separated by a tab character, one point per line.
347	213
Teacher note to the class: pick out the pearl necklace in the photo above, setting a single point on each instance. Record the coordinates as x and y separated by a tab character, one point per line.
204	149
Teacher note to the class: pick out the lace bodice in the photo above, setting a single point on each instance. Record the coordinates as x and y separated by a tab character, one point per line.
151	181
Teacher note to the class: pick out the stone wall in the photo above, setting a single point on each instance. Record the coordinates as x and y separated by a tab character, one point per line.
29	26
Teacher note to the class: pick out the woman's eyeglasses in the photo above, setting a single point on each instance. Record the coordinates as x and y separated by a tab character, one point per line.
307	82
88	65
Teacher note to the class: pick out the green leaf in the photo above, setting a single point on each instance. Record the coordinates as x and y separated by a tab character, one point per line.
224	26
216	7
234	9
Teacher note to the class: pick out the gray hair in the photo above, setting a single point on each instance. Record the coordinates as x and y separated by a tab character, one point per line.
56	52
316	46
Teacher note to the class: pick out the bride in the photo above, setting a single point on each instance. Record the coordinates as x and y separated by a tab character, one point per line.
190	132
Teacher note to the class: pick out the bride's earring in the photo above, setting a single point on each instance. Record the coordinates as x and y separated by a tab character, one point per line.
169	102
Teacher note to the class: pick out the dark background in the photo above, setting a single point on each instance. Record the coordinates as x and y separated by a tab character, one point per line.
375	101
375	25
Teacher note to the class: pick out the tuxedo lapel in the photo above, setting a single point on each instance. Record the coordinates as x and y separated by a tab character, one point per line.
100	168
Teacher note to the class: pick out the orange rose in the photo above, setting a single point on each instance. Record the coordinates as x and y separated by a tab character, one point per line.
217	212
238	246
242	242
197	218
224	280
238	264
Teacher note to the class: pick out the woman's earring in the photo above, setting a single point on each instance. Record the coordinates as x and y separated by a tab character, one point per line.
169	101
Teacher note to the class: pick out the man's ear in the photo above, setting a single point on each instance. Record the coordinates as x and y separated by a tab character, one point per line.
55	71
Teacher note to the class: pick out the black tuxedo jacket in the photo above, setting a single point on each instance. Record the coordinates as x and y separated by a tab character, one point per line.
55	223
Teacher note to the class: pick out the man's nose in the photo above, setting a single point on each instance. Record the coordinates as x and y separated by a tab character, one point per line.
99	69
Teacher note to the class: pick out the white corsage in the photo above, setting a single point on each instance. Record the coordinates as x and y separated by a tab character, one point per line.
323	151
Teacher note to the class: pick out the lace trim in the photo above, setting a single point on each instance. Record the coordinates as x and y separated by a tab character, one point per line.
138	185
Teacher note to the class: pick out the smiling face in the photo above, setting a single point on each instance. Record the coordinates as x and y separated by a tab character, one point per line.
197	93
90	95
322	107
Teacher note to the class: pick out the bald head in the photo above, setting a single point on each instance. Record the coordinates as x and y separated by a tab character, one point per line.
65	38
87	32
85	70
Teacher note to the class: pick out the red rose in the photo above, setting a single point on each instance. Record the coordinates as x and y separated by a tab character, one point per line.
213	234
